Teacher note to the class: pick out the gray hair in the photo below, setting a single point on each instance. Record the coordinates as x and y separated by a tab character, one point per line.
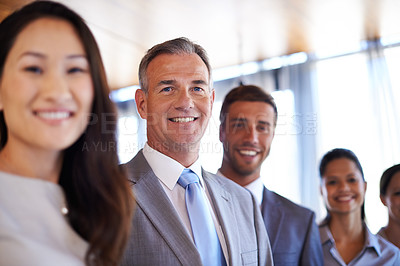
177	46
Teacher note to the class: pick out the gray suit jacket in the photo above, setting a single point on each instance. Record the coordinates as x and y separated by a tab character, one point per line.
292	231
159	237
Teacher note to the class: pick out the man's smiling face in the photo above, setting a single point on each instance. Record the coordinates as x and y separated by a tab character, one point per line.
247	136
178	103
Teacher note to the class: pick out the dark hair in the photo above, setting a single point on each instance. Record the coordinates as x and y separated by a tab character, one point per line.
248	93
387	177
98	195
339	153
176	46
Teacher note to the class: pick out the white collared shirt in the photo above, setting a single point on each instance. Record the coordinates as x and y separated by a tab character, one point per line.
168	172
256	188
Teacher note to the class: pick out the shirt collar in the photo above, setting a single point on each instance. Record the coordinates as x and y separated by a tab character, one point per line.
325	233
371	240
167	169
256	188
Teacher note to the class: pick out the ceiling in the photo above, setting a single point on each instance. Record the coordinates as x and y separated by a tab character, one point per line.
232	31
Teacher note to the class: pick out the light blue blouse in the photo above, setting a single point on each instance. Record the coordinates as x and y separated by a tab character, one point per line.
376	251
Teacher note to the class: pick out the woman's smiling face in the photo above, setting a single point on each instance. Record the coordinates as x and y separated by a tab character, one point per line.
343	187
46	90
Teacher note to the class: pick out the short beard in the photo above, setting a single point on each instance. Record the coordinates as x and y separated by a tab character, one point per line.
244	171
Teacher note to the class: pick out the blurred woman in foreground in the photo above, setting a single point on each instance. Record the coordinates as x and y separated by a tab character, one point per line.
62	202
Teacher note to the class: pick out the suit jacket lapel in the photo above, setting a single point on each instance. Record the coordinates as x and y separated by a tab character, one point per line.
151	198
272	216
221	200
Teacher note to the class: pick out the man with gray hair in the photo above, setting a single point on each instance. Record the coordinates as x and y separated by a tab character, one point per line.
185	215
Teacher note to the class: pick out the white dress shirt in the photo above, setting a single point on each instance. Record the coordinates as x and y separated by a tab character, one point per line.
168	172
256	188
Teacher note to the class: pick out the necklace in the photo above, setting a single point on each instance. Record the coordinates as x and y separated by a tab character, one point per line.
6	168
64	210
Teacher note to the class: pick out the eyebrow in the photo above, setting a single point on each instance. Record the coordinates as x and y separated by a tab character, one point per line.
73	56
172	81
35	54
199	82
40	55
238	119
347	175
264	122
166	82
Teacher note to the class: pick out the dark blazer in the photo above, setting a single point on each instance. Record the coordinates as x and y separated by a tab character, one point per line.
293	233
159	237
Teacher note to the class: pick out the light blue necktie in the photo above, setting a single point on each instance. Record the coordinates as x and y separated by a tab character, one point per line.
203	229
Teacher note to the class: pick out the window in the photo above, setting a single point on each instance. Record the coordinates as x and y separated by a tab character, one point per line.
350	116
344	101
